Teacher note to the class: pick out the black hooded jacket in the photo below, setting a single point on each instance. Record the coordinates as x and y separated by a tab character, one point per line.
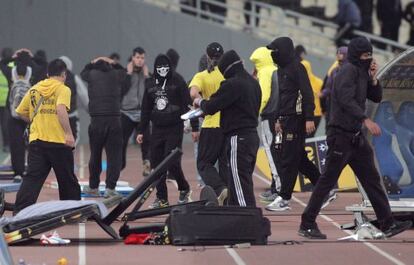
351	89
238	97
165	98
292	80
105	83
71	83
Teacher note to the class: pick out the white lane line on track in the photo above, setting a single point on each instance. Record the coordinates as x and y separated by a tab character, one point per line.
370	245
82	228
235	256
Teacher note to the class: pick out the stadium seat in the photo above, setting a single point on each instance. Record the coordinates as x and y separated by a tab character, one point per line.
385	116
405	115
389	164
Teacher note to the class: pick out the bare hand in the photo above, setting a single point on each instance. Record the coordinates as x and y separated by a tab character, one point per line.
195	136
278	127
310	127
69	140
140	138
130	67
196	102
145	70
372	127
373	70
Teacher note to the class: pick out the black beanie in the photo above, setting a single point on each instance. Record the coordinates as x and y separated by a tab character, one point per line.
227	61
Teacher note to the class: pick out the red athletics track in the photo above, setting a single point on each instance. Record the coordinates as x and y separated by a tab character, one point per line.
90	245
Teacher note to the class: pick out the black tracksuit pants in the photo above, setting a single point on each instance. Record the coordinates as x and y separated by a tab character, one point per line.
358	154
210	150
128	127
42	157
292	157
105	132
17	144
163	141
74	126
241	149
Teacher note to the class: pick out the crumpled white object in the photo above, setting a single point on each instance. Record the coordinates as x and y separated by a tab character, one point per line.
365	231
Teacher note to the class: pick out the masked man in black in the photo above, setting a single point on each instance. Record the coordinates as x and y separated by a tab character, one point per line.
165	99
354	84
238	98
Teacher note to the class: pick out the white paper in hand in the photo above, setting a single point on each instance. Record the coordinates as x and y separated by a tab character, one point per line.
192	114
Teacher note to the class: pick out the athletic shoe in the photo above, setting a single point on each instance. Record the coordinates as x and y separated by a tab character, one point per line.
53	239
278	205
311	233
397	227
223	196
110	193
330	198
268	196
146	168
91	192
159	203
17	179
185	196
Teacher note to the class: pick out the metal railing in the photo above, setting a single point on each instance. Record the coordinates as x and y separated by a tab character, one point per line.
318	35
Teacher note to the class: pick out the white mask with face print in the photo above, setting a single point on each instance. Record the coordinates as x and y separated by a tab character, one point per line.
163	70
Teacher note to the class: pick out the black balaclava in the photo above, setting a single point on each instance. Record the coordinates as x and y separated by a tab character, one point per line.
230	63
283	51
174	58
214	52
356	48
162	68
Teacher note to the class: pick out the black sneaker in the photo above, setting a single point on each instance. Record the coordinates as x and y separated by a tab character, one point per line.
311	233
159	203
185	196
397	227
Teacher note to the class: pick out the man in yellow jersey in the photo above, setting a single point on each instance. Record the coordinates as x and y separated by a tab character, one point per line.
211	139
45	107
266	73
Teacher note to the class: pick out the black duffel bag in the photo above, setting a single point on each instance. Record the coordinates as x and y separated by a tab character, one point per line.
214	225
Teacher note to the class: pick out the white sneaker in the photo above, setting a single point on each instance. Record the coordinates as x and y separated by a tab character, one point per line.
53	239
278	205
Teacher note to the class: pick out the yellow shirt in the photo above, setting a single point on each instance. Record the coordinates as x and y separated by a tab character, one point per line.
316	84
45	125
208	84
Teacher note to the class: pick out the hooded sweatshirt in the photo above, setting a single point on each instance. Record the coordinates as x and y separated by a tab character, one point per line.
295	91
265	68
104	88
45	125
238	97
352	87
166	97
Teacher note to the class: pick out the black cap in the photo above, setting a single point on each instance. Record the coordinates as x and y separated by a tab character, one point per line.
214	50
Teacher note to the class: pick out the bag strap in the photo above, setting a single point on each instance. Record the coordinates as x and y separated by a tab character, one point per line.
37	108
